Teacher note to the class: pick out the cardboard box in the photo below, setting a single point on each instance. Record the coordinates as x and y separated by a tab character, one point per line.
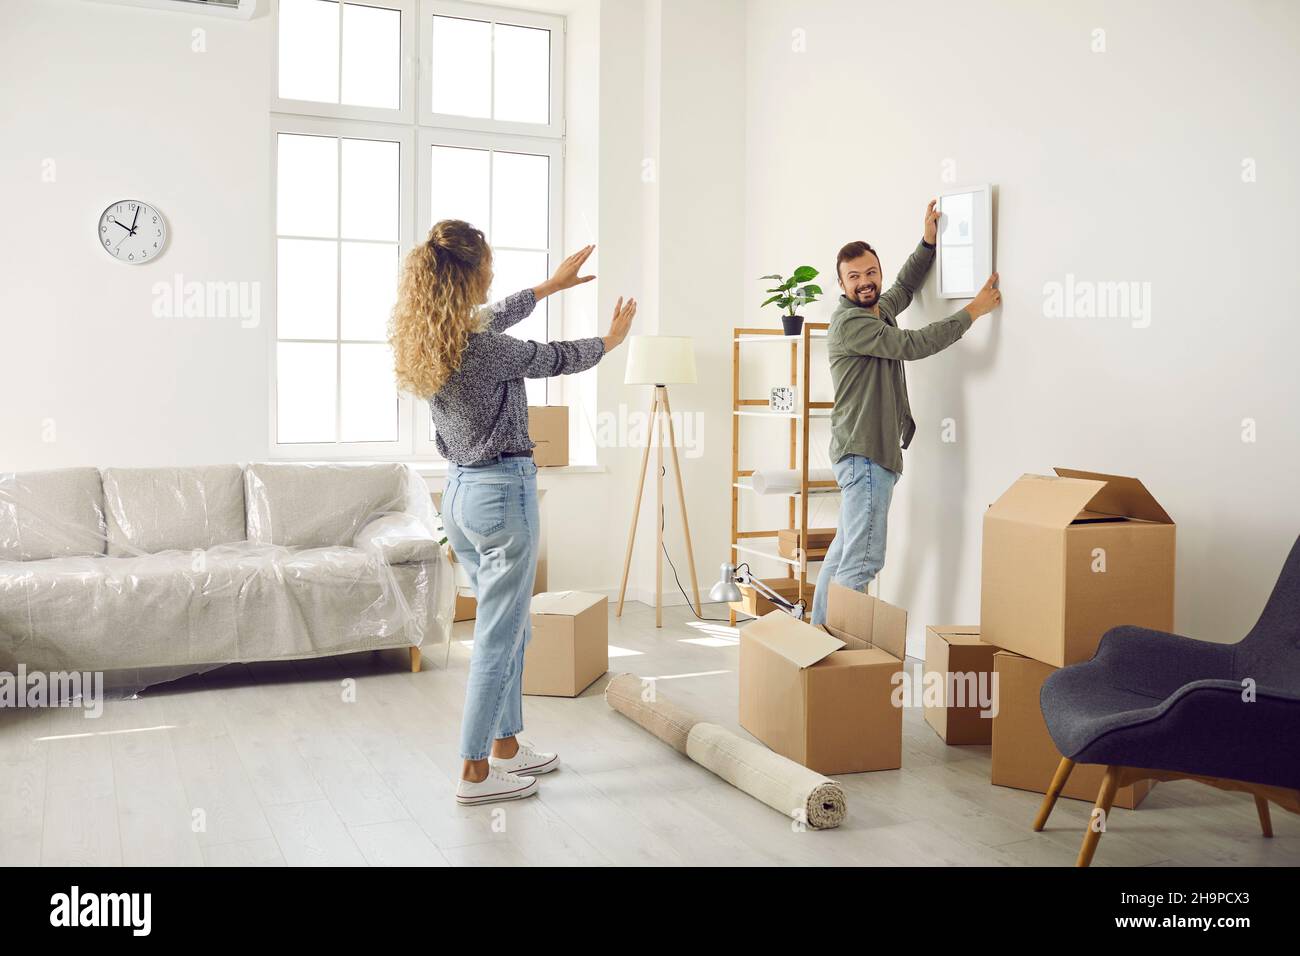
964	665
1024	756
824	698
569	649
1066	558
757	605
819	539
548	427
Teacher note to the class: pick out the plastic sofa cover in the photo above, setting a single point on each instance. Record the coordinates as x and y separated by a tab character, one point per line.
161	572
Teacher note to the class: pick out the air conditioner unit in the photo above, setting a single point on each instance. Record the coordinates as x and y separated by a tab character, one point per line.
238	9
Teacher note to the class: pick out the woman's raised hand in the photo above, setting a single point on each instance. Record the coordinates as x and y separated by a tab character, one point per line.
566	276
620	324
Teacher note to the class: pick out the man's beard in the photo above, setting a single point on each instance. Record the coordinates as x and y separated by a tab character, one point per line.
867	300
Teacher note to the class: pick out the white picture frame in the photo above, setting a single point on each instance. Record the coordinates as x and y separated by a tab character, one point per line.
965	246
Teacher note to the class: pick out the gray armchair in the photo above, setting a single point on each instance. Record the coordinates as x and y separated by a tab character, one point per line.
1151	705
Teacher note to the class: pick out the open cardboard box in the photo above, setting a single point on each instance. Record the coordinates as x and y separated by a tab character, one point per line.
1067	557
824	698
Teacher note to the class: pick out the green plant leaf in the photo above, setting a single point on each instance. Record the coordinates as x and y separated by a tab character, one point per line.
789	283
804	274
811	290
775	275
776	298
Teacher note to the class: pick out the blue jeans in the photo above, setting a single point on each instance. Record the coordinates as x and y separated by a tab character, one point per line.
857	554
490	513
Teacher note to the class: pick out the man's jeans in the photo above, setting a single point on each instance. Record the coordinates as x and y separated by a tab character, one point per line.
490	513
857	554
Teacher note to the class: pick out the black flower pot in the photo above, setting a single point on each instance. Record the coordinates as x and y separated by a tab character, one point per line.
793	324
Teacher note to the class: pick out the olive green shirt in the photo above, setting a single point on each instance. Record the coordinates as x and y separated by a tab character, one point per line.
872	416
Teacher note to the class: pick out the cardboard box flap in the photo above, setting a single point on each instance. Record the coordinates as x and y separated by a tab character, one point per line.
1121	496
878	622
1046	500
801	644
564	602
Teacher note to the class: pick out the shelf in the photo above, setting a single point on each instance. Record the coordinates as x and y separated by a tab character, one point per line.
768	554
766	413
815	333
749	486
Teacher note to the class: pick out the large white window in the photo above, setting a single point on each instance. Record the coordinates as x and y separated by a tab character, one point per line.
390	115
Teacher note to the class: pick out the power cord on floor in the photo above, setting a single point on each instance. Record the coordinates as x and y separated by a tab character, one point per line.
663	525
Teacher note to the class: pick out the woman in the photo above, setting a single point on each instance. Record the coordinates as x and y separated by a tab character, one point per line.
449	349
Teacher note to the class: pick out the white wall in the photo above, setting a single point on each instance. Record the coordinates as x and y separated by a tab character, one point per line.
1120	165
115	104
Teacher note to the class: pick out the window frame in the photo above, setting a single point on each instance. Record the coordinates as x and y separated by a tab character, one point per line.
319	126
407	92
459	9
415	128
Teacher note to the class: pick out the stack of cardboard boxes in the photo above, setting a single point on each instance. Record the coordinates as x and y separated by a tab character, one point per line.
1065	558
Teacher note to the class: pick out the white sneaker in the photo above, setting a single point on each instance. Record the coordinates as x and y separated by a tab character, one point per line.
527	760
494	788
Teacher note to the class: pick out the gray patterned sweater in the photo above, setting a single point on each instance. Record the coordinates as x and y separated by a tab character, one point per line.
482	409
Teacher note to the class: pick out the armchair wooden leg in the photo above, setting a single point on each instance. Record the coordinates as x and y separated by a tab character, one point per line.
1105	797
1058	784
1265	821
415	659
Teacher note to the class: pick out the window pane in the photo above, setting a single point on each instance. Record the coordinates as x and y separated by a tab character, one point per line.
462	67
306	289
307	185
520	200
368	289
370	186
305	392
372	45
369	406
521	89
309	50
458	185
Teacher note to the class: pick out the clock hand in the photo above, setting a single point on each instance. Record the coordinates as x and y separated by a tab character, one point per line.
116	223
135	219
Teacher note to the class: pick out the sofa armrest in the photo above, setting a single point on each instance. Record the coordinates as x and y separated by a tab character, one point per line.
1157	663
398	538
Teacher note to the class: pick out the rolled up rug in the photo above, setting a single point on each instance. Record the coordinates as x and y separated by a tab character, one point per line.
782	784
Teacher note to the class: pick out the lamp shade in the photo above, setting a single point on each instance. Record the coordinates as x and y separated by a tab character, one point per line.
660	360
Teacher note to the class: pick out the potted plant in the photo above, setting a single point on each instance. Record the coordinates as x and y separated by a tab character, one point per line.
790	294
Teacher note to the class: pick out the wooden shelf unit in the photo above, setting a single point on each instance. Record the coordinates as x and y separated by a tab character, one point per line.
800	426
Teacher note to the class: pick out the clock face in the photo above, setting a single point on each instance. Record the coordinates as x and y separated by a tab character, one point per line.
132	231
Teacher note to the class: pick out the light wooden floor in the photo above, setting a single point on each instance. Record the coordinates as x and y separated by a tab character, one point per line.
266	765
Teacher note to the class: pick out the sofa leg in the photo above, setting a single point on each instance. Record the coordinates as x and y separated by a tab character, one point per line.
415	660
1097	822
1058	784
1265	820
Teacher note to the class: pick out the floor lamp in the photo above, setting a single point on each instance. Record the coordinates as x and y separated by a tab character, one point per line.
659	360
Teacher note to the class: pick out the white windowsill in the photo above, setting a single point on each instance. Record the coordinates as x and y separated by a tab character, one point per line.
428	469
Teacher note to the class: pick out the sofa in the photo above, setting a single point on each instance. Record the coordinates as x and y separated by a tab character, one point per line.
184	569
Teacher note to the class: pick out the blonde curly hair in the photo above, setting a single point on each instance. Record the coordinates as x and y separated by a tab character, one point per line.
444	283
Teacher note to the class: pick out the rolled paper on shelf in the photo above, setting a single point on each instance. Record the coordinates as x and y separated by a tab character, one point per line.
777	781
782	784
783	481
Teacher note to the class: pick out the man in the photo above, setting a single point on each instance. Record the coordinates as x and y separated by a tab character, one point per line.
872	422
